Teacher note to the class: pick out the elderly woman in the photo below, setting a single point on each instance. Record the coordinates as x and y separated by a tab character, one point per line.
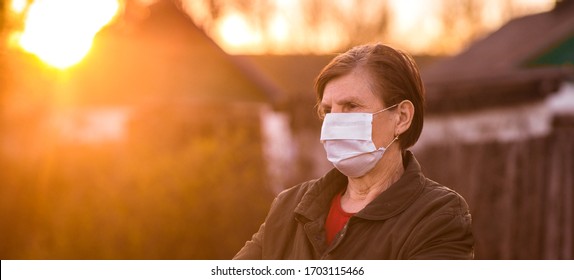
376	203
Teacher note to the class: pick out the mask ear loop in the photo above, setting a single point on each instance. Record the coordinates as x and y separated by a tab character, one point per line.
396	136
386	109
394	139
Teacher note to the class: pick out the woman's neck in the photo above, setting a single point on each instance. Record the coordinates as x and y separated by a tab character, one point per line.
361	191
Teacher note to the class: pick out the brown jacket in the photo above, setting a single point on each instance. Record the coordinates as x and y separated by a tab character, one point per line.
415	218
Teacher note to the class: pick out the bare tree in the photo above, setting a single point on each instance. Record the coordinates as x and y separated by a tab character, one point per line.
348	23
461	22
357	21
207	13
464	21
354	21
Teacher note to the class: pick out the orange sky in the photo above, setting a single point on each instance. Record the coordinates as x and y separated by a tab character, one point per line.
414	27
60	31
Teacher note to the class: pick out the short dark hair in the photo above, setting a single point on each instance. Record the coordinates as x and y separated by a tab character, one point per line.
394	77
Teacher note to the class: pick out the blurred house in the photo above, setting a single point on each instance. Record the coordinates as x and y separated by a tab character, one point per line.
150	148
153	58
158	61
500	130
156	56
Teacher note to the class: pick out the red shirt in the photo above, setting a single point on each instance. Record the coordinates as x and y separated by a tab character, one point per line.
336	219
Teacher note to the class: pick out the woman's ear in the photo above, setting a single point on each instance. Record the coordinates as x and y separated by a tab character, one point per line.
406	111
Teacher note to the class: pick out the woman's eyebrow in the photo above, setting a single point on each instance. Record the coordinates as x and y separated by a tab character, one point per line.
349	99
344	101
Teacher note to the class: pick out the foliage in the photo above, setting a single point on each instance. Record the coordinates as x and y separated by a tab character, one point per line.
173	189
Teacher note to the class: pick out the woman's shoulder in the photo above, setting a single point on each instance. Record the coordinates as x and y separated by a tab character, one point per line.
443	198
292	196
301	196
298	190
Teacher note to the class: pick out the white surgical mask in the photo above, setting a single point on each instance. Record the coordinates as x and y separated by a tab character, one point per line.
348	141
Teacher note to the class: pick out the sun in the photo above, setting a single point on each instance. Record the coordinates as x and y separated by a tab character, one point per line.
237	34
60	32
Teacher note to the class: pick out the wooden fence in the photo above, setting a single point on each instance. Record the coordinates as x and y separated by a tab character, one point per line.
521	194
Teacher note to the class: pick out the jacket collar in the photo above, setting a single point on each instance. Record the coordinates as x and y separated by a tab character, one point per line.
316	202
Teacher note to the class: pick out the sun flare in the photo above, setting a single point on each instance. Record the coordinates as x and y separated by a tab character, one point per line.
60	32
236	30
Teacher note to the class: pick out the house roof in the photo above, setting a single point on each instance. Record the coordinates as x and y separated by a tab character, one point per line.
495	71
162	56
292	75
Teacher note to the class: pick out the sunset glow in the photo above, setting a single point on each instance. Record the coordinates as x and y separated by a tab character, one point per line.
18	6
415	26
60	32
236	32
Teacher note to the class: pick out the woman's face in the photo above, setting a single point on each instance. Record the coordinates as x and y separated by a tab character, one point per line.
352	94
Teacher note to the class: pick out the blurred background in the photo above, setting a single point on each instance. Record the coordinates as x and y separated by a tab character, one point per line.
142	129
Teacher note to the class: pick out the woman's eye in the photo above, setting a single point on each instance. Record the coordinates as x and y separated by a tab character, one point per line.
352	106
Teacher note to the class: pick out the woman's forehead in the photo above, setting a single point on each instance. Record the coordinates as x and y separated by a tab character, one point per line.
352	87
